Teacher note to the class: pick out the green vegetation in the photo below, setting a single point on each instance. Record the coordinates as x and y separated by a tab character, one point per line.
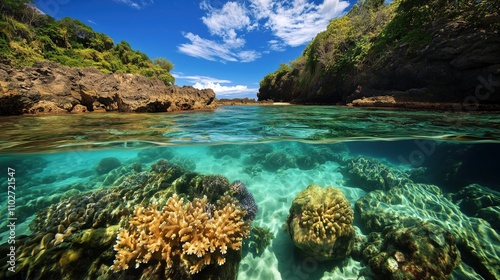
366	37
26	36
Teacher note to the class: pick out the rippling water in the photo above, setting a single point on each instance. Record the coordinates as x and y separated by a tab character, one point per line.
277	151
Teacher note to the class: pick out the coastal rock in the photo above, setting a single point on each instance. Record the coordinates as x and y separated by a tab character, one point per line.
47	87
320	223
459	59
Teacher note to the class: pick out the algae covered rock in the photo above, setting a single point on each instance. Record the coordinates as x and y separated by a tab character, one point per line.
320	223
422	251
370	174
107	164
413	203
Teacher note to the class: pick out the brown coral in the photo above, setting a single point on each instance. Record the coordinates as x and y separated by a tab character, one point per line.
192	232
320	223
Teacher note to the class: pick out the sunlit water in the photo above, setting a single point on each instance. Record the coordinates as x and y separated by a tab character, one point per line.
55	157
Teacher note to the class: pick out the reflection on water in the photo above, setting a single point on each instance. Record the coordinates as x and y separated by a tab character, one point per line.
248	124
425	173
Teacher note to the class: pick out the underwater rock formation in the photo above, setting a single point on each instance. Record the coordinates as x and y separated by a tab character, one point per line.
107	164
277	160
370	174
320	223
191	235
74	237
481	202
422	251
411	204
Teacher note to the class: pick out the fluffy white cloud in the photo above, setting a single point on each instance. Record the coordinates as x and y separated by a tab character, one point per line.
212	50
292	23
222	91
296	23
223	22
137	4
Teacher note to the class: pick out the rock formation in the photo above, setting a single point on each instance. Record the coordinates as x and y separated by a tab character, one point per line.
51	88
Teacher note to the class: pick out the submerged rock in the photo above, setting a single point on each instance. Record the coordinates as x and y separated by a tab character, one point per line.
412	204
481	202
422	251
320	223
370	174
107	164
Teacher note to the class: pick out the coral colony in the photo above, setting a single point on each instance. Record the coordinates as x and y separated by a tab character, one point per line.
245	198
320	223
183	230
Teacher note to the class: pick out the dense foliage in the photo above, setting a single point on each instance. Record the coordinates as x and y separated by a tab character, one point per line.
26	36
366	37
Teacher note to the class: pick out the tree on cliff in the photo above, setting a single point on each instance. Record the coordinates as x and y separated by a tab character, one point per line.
27	36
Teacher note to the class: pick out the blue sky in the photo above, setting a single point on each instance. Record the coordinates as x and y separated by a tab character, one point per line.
228	46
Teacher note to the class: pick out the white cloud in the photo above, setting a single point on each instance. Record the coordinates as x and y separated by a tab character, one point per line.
225	21
212	50
292	23
276	45
199	79
298	22
137	4
92	22
222	91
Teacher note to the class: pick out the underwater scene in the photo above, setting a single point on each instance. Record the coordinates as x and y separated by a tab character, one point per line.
251	192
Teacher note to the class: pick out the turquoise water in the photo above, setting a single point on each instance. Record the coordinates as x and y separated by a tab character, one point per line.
276	151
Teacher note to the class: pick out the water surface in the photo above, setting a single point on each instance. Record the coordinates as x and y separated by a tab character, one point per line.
277	151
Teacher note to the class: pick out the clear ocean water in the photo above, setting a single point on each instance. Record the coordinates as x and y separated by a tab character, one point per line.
55	157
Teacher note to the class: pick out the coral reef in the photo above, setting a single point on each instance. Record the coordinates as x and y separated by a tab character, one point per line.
277	160
246	199
370	174
197	186
422	251
196	233
260	238
82	228
107	164
320	223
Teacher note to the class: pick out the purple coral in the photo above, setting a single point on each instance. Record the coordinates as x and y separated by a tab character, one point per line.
245	198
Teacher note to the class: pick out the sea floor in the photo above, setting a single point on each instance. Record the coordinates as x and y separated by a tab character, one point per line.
273	186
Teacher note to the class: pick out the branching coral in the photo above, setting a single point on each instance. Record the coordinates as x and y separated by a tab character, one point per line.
196	232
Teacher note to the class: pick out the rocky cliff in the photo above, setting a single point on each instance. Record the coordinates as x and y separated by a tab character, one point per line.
429	53
47	87
460	65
